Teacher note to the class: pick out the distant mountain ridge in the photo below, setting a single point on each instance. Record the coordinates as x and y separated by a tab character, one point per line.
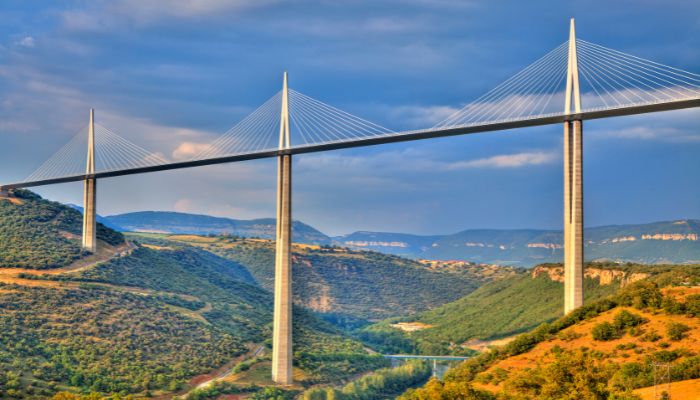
183	223
657	242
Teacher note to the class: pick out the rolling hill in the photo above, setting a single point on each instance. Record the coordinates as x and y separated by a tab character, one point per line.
346	285
515	305
653	243
663	242
136	318
182	223
610	348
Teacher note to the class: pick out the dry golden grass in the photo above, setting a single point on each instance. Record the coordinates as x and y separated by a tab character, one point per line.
683	390
13	200
154	247
541	354
679	293
193	238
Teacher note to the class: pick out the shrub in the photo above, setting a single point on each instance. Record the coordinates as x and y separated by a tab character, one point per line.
651	336
676	331
605	331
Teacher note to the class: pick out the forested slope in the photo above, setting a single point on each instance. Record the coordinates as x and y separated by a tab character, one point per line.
145	321
502	309
605	349
42	234
348	283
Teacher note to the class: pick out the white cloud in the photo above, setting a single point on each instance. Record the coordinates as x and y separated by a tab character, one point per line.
516	160
187	150
416	117
396	162
183	205
27	41
665	134
108	14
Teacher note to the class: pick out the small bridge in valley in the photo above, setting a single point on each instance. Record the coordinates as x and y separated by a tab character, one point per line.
576	81
438	364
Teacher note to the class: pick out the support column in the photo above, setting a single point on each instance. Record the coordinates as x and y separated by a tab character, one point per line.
573	185
282	324
90	193
573	215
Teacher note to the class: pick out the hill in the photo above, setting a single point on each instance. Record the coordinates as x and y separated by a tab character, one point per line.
653	243
182	223
136	318
41	234
347	285
605	349
666	242
515	305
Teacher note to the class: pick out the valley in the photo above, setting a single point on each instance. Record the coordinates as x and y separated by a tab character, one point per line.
189	315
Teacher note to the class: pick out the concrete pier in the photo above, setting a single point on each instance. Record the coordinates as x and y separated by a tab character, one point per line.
573	184
90	193
573	215
282	323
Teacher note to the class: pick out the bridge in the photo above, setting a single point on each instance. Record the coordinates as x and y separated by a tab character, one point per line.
438	370
576	81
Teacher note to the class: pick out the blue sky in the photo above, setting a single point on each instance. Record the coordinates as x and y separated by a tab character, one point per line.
171	76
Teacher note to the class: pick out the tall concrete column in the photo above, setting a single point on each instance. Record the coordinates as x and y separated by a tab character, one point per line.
90	193
573	215
573	185
282	324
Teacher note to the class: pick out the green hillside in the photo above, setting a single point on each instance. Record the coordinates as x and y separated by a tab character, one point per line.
603	350
41	234
183	223
496	310
350	284
96	339
146	321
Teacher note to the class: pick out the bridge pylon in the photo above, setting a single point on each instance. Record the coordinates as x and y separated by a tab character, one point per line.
282	324
90	192
573	184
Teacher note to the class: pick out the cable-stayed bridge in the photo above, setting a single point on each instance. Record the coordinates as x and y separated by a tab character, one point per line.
576	81
612	83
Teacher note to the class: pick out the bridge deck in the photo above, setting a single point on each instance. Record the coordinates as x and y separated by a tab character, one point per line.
375	140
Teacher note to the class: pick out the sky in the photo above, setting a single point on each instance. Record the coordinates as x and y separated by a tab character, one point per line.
172	76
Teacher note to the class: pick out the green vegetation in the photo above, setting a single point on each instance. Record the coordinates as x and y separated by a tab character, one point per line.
39	234
93	339
141	323
514	305
237	307
381	384
676	331
580	370
624	321
217	389
347	285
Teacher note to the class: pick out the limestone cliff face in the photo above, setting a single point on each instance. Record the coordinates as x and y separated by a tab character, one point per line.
604	276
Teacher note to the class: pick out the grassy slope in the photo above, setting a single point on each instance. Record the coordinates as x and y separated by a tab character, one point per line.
236	306
41	234
560	359
149	320
101	340
498	309
356	284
